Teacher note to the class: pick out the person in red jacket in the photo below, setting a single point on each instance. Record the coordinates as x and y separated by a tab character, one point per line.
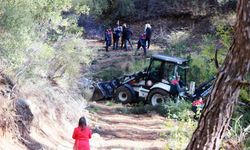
82	134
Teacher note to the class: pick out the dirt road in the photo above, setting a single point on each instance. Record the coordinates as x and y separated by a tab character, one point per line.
114	129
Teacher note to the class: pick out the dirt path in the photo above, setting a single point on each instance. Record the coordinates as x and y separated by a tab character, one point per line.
114	129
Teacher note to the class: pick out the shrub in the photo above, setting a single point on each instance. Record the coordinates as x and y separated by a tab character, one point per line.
179	133
123	8
139	65
180	111
109	74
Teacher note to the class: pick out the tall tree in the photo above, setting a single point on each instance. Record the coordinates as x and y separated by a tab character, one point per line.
219	107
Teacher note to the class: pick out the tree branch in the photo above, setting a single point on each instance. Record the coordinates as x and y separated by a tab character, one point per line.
245	83
216	59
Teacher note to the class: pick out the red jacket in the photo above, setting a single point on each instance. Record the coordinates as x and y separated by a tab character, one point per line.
81	137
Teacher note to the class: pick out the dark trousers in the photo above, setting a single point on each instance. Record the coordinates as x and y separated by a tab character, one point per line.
148	41
123	42
139	45
108	43
116	42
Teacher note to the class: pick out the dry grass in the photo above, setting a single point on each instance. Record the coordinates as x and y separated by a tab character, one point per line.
8	128
56	112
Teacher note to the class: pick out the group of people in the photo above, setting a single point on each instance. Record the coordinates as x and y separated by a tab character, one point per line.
125	33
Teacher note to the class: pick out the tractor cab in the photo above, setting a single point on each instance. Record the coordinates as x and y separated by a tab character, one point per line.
164	68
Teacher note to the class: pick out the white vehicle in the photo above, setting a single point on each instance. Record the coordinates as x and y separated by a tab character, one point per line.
164	79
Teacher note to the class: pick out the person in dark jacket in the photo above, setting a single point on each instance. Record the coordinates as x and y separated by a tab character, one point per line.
116	35
108	38
123	34
142	43
148	31
127	35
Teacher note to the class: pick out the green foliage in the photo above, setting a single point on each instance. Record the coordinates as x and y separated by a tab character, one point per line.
247	143
140	108
178	49
139	65
72	53
245	95
180	111
20	22
33	34
109	103
239	132
179	133
224	33
123	8
116	9
95	7
202	66
242	112
245	92
109	73
93	109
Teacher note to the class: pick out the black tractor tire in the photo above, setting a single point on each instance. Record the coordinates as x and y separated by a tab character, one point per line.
123	95
158	96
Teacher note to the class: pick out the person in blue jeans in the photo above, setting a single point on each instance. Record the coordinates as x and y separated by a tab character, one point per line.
117	31
108	38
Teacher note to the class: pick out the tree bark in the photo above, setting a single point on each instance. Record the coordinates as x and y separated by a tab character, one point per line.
219	107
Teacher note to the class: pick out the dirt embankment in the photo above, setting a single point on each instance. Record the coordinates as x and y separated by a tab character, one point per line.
37	115
16	118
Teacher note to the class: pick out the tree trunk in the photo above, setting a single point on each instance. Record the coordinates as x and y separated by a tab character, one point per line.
219	107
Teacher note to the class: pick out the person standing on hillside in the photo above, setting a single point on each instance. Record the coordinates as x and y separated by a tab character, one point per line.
142	43
123	36
116	35
108	38
127	35
148	31
82	134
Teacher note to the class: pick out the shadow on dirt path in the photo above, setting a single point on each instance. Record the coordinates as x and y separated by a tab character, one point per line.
116	130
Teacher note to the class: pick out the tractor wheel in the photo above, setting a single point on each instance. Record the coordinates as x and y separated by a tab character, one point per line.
158	96
123	95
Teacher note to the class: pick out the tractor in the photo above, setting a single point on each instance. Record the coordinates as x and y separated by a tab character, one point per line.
163	80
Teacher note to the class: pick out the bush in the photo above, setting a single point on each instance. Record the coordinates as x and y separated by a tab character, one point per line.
179	133
245	95
109	74
123	8
139	65
180	111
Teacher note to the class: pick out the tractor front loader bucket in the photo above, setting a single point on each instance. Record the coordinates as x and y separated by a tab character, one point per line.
104	90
